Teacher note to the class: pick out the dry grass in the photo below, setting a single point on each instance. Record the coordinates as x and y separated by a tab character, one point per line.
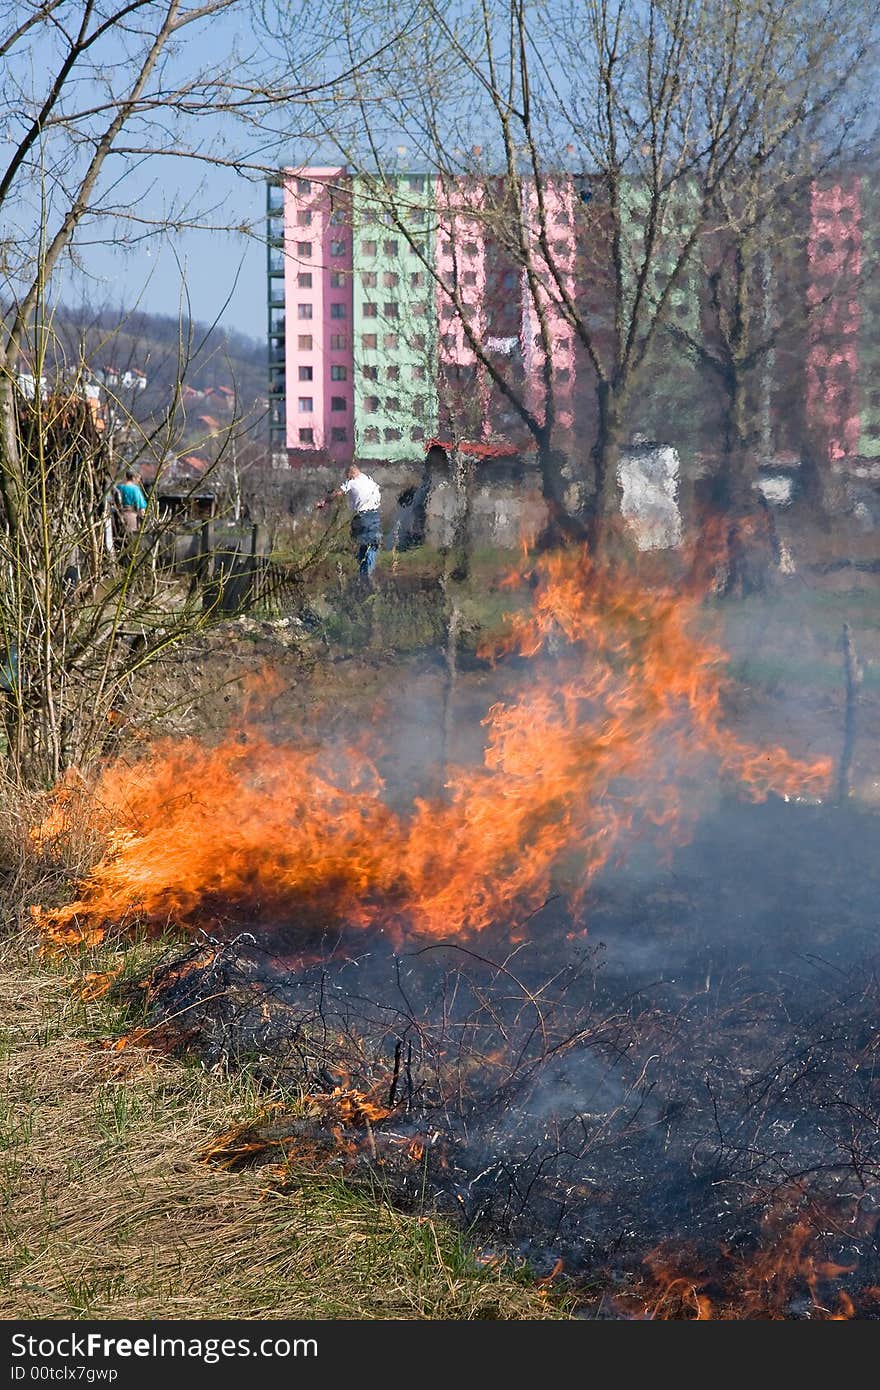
42	869
108	1213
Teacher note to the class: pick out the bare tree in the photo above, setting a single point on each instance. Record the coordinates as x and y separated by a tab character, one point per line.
812	123
89	93
598	142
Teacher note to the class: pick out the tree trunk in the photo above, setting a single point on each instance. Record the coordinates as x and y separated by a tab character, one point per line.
9	452
463	480
608	537
740	544
738	548
562	525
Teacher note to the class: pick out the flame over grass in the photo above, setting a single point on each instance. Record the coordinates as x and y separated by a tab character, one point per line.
621	709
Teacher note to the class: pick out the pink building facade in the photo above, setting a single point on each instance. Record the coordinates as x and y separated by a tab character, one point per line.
555	214
835	265
319	357
336	383
460	257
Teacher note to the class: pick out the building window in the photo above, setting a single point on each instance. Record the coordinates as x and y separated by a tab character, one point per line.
417	432
419	310
419	373
338	434
371	311
447	340
338	342
417	215
392	404
371	435
419	246
370	373
337	217
470	248
391	436
304	280
337	310
389	248
390	279
304	342
306	373
368	248
416	182
391	311
303	185
371	404
416	278
419	341
306	405
509	280
338	373
337	279
469	277
304	311
369	279
304	249
303	218
368	215
307	436
368	340
337	248
390	341
338	403
418	406
393	374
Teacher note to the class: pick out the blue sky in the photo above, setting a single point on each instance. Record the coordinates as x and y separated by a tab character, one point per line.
207	268
218	272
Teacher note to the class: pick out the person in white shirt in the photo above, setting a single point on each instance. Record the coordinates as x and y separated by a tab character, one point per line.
364	499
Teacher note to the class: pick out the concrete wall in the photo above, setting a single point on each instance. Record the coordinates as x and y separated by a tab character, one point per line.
506	503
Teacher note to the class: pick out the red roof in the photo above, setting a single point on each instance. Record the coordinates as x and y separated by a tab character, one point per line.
477	448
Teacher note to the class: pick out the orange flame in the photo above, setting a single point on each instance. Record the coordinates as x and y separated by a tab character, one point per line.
762	1285
623	707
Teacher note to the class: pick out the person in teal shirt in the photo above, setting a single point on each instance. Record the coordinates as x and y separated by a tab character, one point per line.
131	501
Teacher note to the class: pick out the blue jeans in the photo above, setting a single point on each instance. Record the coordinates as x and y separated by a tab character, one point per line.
367	560
366	531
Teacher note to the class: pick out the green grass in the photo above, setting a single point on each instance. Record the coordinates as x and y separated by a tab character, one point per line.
109	1212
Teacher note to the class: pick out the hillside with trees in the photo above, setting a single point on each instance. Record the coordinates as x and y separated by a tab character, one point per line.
217	372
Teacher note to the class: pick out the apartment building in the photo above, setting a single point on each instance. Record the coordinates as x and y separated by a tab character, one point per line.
365	336
379	288
395	343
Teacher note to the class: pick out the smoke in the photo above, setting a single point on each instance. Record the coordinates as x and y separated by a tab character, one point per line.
705	1046
621	715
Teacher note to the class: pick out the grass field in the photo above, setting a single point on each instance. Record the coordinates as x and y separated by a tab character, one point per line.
108	1211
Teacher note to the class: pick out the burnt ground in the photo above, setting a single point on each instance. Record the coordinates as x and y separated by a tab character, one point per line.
691	1064
702	1060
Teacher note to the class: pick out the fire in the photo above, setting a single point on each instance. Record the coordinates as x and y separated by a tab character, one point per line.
623	710
96	984
345	1105
763	1285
